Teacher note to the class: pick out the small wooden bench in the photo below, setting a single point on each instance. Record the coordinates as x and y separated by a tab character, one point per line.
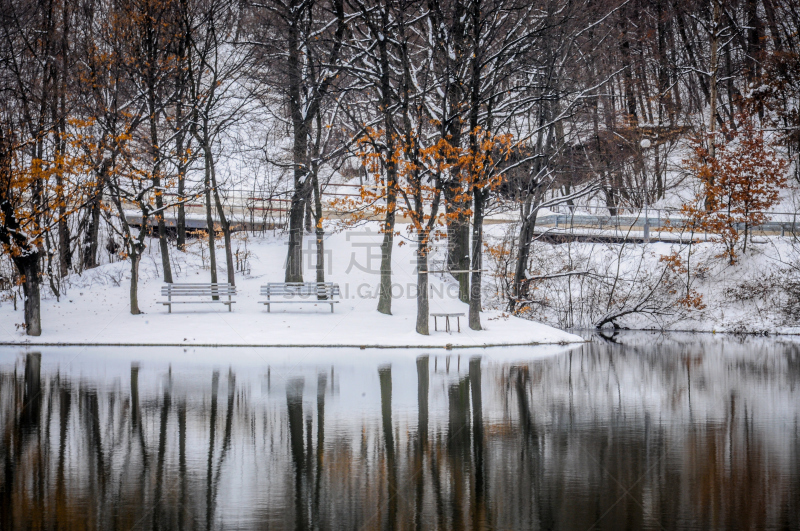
197	290
447	317
300	292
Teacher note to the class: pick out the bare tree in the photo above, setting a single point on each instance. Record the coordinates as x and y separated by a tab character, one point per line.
303	47
216	68
40	172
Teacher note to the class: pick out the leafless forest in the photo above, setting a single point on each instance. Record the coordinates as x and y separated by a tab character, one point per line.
439	113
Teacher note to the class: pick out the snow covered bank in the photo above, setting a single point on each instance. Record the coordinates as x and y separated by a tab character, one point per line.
94	308
665	286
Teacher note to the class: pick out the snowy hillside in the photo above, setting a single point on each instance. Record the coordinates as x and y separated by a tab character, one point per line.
94	307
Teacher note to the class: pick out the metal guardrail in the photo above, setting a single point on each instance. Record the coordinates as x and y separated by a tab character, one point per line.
657	220
247	208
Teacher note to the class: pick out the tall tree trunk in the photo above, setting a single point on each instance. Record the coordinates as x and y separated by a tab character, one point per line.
60	117
319	232
309	218
181	151
162	232
477	260
26	256
457	237
93	230
712	83
754	46
455	53
212	253
664	103
180	223
385	294
135	258
223	220
423	303
294	256
64	251
630	100
28	267
523	252
52	279
479	194
156	178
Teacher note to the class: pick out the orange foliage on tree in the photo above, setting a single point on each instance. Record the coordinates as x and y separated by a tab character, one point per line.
476	167
38	189
737	186
690	298
411	162
480	162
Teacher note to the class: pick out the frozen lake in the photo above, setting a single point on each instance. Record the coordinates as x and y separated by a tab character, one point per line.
645	431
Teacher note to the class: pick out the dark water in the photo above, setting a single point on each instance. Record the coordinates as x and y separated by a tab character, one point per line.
653	432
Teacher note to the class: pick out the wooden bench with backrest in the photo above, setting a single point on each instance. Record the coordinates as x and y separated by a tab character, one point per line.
300	292
196	291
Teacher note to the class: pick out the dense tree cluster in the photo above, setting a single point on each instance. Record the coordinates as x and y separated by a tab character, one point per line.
453	106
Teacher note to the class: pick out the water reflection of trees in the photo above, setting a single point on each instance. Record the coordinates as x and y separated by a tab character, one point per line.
607	436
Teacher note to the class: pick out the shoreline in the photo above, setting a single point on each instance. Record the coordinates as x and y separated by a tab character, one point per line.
447	346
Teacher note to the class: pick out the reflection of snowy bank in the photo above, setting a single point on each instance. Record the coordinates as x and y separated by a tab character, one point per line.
655	431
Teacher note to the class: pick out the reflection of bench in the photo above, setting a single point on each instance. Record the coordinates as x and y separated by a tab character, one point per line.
300	292
447	317
197	290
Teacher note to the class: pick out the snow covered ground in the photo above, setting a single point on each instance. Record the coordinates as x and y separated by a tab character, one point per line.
94	307
758	294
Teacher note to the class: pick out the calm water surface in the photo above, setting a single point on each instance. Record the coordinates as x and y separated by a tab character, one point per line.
643	432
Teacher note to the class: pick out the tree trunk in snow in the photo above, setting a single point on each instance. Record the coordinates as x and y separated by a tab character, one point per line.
318	230
423	306
135	258
223	220
294	258
712	82
64	250
477	261
457	238
162	233
93	230
212	254
387	101
523	252
295	78
28	267
385	297
180	223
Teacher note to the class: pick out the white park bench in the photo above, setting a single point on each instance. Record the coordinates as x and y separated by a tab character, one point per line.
447	317
300	293
198	293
